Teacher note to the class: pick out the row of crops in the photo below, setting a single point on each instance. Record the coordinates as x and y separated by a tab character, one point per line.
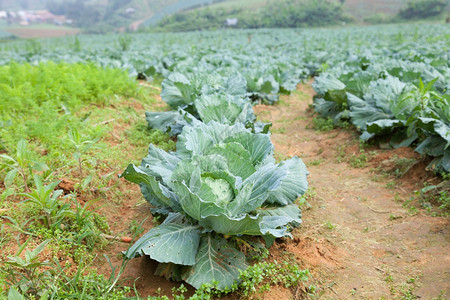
222	187
222	190
403	99
388	81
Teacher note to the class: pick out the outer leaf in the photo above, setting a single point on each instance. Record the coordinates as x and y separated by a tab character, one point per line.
275	221
236	85
245	224
166	121
362	112
10	176
265	180
293	185
275	226
151	189
159	163
433	145
169	243
176	90
291	211
171	122
217	261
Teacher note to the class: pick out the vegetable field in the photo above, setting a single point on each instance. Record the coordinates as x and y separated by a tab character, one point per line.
291	164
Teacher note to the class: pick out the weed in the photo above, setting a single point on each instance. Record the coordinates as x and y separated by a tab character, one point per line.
394	217
329	225
124	41
442	295
316	162
135	228
322	124
50	209
308	196
436	194
379	177
254	280
359	161
391	185
280	130
142	135
41	279
280	157
340	149
82	145
26	273
22	164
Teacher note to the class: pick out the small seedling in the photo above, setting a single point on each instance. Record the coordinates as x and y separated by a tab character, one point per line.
329	225
81	145
21	165
46	200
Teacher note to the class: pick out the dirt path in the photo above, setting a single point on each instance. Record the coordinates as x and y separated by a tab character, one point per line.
358	240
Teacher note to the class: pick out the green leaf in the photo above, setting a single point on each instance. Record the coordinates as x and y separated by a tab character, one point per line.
159	163
169	243
433	145
216	261
10	176
237	158
362	112
198	139
177	91
193	205
151	189
224	108
13	294
258	145
39	166
265	180
244	224
293	185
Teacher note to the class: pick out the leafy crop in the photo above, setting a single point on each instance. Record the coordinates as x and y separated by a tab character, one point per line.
222	181
392	104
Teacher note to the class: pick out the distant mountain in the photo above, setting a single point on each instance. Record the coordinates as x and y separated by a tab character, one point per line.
107	13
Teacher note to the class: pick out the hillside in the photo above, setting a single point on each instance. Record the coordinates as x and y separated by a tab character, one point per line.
106	15
359	9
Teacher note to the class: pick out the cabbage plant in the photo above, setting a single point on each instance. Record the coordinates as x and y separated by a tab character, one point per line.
221	185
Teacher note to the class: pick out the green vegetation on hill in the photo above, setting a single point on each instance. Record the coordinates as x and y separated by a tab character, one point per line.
423	9
283	14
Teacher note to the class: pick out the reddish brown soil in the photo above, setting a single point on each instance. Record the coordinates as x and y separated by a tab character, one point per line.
28	33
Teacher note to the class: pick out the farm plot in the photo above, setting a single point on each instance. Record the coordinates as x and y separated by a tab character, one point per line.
223	180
